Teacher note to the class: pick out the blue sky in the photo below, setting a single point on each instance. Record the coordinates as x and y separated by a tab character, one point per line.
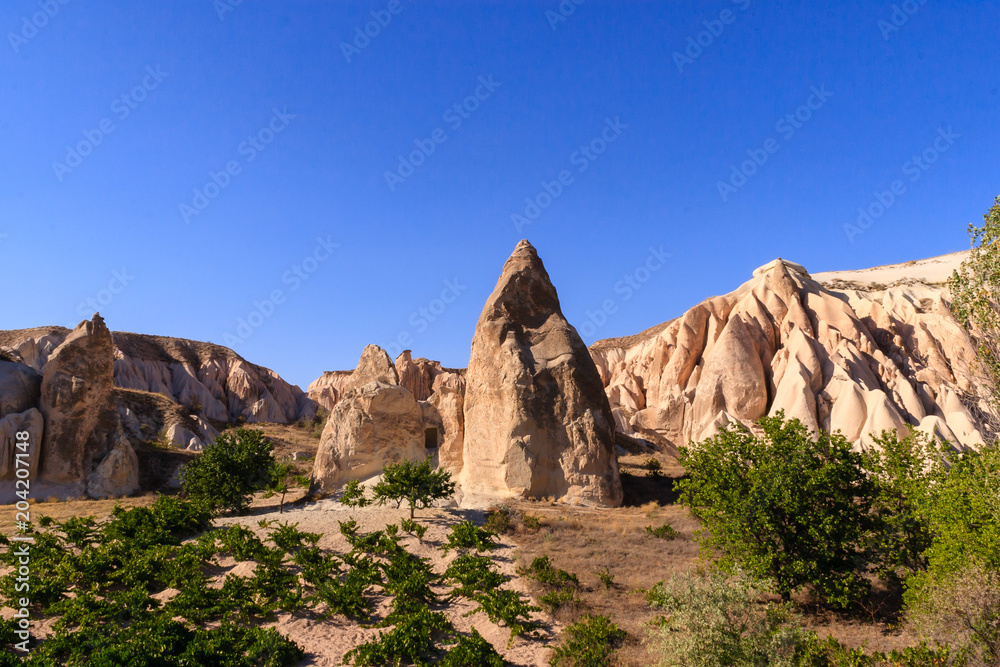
276	124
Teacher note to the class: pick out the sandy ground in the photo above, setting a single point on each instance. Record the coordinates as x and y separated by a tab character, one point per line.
326	641
934	270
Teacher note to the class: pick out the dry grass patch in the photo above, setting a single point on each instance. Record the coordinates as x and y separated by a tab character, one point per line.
596	544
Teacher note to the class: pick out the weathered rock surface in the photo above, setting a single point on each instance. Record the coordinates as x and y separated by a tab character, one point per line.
449	403
212	381
328	389
537	421
31	422
20	387
423	376
117	474
371	426
83	432
835	351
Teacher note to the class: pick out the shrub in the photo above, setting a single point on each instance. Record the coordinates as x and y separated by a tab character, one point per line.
413	483
664	532
588	643
541	570
785	506
229	471
472	651
500	519
353	494
467	535
531	521
413	528
473	574
653	467
715	620
606	578
410	642
506	606
962	609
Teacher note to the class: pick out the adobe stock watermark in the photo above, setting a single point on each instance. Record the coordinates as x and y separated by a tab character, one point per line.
629	284
294	277
363	36
454	116
121	107
581	159
913	169
104	296
900	16
30	25
421	319
565	9
247	151
697	43
223	7
786	126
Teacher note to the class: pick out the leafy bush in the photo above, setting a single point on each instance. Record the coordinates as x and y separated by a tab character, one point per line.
413	483
500	518
784	506
414	528
664	532
505	606
230	470
962	609
410	642
353	494
589	642
472	651
467	535
541	570
531	522
606	578
473	574
653	467
715	619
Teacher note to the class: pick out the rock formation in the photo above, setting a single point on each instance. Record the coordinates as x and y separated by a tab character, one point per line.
422	376
208	382
20	387
537	421
374	423
82	426
835	351
31	422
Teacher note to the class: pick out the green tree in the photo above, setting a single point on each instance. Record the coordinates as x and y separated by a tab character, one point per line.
414	483
975	290
789	505
230	470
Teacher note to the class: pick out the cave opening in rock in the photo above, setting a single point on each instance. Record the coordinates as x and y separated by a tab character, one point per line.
430	438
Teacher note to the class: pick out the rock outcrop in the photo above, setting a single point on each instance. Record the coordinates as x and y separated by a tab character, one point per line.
834	351
375	422
423	376
328	389
30	422
82	423
537	421
209	382
20	387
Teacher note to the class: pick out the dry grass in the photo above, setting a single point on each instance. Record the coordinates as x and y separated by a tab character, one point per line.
586	541
67	509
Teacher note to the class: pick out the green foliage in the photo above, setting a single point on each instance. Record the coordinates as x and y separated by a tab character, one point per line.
414	528
590	642
500	519
530	522
473	574
715	619
505	606
542	571
230	470
664	532
975	289
414	483
467	535
606	578
353	494
783	506
412	641
472	651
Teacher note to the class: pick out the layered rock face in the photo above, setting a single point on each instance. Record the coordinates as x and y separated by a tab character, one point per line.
836	352
375	422
208	382
537	421
83	442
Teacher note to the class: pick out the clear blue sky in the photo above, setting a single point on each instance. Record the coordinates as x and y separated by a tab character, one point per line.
216	77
